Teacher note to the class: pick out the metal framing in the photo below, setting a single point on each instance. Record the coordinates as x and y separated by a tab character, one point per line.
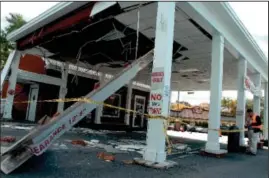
25	75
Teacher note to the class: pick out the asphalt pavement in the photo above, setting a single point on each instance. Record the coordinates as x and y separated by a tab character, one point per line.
74	161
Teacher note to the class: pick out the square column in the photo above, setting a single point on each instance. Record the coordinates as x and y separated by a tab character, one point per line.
128	102
160	88
256	99
12	85
99	109
265	114
63	89
212	145
241	98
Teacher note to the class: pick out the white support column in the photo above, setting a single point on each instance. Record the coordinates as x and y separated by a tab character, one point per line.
128	102
178	96
257	99
63	89
33	97
99	109
12	85
212	145
155	149
241	98
265	115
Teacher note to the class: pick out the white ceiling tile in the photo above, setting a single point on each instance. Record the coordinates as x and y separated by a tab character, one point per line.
124	4
184	41
199	38
186	24
150	33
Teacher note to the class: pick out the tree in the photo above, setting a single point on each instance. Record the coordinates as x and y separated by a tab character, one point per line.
4	48
15	21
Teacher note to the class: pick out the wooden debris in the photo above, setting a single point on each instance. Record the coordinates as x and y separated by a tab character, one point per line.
106	157
220	155
44	120
128	161
8	139
79	142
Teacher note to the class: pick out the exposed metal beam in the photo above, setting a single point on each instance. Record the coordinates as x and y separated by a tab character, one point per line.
25	75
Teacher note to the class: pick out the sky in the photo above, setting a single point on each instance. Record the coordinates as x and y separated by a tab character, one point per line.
254	16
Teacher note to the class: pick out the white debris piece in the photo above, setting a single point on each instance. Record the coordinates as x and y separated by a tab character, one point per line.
17	127
130	147
181	146
63	146
196	136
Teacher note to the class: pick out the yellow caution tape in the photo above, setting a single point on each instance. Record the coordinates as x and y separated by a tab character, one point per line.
167	119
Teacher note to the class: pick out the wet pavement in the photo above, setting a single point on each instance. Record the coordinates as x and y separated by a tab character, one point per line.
72	161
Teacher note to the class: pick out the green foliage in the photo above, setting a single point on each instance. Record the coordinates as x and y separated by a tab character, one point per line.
15	21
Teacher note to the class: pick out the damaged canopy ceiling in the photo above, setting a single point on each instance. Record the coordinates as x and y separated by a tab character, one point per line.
124	32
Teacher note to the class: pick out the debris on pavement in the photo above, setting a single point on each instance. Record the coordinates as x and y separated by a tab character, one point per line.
128	161
106	157
79	142
8	139
44	120
17	127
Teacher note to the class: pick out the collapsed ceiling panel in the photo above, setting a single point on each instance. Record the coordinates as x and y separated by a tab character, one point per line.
108	41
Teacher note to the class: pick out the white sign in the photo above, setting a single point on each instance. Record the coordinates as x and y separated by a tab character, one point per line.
157	79
155	105
249	85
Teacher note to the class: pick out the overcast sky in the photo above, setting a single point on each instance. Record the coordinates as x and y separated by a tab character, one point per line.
254	15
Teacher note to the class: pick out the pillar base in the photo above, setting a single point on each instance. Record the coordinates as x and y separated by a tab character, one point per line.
154	156
162	165
6	119
212	145
220	151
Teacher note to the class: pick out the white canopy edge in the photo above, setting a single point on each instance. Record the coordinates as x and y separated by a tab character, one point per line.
221	17
210	15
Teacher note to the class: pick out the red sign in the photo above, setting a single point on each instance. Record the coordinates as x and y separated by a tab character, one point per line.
157	76
155	96
155	111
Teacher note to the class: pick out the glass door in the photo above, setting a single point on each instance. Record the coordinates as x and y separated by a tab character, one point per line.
139	107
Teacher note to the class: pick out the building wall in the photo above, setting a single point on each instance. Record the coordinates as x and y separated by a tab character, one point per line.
79	89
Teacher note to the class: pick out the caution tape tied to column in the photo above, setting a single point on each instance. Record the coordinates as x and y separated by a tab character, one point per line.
150	117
